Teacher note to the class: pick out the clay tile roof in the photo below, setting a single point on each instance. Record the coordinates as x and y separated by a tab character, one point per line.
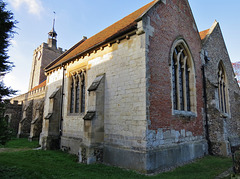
64	54
39	86
104	36
204	33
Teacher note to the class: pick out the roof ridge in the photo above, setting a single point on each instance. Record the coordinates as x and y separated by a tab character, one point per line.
207	32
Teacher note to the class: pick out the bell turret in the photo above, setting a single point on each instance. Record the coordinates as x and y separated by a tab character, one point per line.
52	37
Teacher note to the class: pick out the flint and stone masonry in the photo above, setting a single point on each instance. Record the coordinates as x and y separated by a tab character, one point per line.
223	126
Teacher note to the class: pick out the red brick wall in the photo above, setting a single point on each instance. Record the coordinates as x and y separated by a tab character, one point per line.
175	20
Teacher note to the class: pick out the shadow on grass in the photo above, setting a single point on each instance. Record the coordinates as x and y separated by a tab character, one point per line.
56	164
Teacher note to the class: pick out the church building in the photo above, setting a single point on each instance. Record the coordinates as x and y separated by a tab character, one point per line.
146	93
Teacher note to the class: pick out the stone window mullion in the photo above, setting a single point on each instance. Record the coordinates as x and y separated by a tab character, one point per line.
178	84
174	82
74	104
224	98
219	90
181	79
222	94
188	94
184	84
72	95
82	87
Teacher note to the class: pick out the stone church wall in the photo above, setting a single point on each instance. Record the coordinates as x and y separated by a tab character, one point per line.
49	55
125	105
37	118
42	56
31	103
25	123
134	123
13	115
223	128
49	137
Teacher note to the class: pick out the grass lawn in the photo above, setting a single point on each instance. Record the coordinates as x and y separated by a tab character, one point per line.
39	164
20	143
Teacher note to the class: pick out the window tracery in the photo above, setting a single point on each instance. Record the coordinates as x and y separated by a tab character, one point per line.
77	93
222	89
183	78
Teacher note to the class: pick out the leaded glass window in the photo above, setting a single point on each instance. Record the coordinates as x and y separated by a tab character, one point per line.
77	93
222	89
183	83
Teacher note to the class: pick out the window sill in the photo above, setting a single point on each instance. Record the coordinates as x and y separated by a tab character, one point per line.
224	115
75	114
184	113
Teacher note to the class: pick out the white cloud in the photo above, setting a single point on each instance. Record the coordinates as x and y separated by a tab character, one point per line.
13	42
12	81
34	6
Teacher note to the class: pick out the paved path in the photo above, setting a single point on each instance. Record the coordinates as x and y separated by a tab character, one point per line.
225	174
12	150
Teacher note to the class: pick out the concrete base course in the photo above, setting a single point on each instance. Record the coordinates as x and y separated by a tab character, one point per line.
70	145
155	160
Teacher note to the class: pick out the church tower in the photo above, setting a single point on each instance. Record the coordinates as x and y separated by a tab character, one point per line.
42	56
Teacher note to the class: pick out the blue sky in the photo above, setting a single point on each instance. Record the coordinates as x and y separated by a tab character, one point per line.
78	18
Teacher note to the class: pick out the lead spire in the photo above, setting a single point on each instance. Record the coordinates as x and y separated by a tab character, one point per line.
52	35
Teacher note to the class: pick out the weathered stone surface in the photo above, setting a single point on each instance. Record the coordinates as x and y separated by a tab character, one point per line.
223	127
25	123
37	119
13	115
134	123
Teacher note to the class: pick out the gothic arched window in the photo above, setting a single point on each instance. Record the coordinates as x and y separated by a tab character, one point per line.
77	93
222	89
183	78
